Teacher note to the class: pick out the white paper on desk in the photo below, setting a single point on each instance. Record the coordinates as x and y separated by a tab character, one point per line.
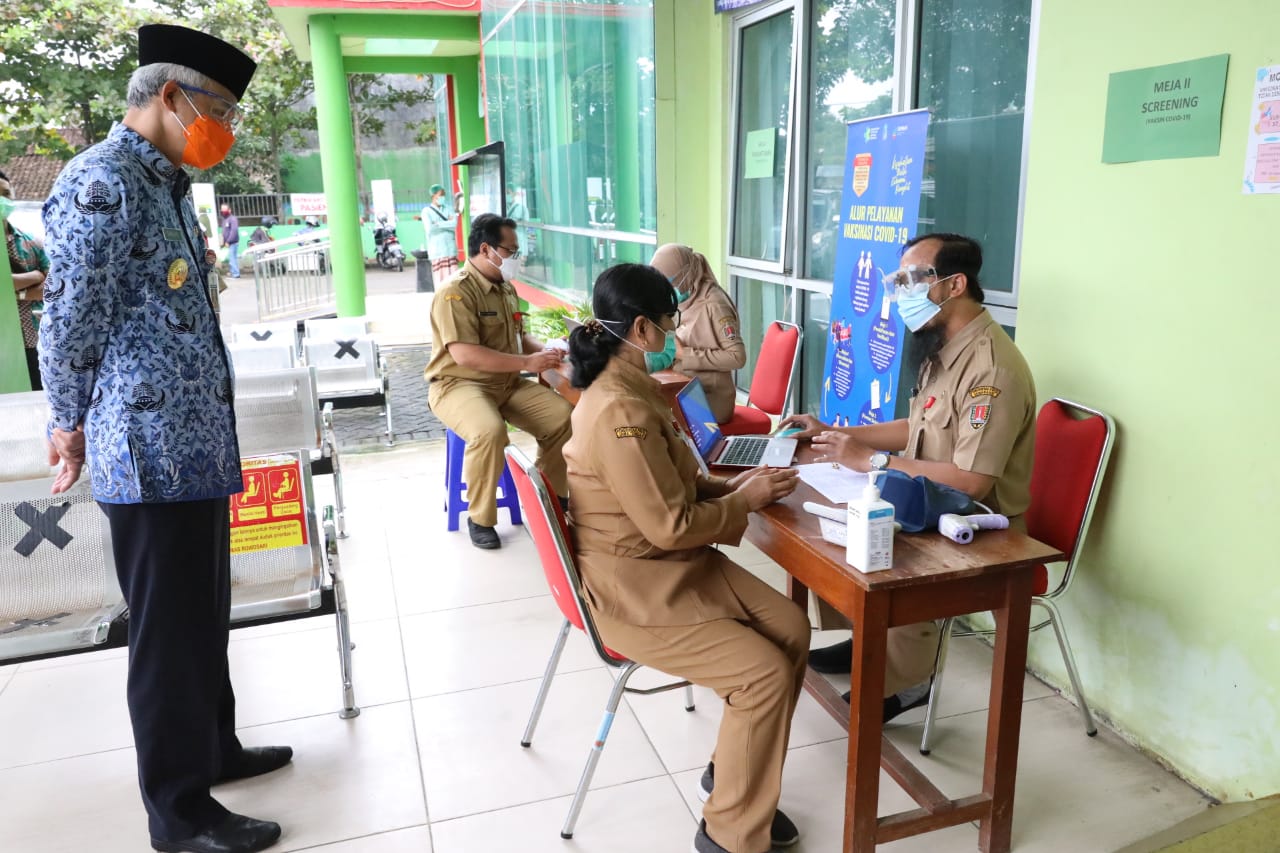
833	481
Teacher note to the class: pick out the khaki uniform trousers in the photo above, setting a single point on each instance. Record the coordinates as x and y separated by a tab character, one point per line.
757	667
910	652
478	412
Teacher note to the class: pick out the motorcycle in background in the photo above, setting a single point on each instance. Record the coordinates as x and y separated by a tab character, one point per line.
387	246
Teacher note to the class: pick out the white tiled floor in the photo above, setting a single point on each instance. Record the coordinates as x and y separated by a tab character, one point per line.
450	644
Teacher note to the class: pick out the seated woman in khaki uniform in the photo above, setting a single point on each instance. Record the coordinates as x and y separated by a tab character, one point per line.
644	519
708	343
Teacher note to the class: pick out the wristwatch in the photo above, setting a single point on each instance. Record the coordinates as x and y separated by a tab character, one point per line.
879	461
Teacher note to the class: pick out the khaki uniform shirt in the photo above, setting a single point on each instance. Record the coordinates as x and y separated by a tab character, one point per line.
712	346
644	516
471	309
976	407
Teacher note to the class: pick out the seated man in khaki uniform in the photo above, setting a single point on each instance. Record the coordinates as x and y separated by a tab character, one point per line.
478	351
971	426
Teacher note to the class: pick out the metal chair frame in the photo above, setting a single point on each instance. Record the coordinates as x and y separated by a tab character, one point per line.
624	668
1046	601
377	393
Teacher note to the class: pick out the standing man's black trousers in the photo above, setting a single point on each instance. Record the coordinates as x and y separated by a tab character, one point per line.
174	565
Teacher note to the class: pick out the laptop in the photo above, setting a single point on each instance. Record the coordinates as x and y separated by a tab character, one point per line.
735	451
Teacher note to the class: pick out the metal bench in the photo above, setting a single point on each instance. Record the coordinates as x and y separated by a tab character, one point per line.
350	373
279	411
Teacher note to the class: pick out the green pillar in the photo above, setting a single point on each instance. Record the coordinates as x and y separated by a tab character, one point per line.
338	165
13	360
469	121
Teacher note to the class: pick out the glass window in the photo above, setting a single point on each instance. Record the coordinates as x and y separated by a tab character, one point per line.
762	138
973	76
851	77
570	89
816	311
759	304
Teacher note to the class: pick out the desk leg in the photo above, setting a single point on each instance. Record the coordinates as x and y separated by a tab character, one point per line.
798	592
866	713
1004	720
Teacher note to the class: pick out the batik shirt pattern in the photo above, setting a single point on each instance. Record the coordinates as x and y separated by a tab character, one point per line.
129	342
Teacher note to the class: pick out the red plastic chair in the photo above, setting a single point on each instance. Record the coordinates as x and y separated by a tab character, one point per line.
1073	445
545	521
771	382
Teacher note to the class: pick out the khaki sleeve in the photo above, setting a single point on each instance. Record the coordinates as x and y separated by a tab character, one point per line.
455	318
728	352
712	487
991	413
633	457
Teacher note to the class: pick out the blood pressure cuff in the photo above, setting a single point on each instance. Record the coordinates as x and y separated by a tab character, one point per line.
918	501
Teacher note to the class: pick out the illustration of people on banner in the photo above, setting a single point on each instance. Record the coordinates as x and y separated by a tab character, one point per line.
884	163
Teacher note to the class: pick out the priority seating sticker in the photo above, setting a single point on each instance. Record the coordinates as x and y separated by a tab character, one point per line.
269	513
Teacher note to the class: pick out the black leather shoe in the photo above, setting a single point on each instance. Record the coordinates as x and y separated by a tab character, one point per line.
483	537
782	832
833	660
893	706
233	834
702	842
255	761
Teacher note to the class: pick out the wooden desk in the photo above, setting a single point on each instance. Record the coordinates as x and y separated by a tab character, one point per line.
560	380
932	578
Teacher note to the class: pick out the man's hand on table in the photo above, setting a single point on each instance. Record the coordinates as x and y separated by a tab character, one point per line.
67	447
546	359
808	425
833	446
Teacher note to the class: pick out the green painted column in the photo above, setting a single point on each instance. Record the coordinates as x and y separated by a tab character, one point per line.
338	164
469	121
13	360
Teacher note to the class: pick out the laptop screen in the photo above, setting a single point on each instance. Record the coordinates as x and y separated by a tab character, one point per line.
697	414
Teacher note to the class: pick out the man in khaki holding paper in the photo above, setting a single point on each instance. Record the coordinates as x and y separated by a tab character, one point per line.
971	426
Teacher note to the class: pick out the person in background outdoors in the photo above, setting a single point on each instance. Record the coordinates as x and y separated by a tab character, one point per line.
231	239
140	393
29	265
708	343
441	224
262	234
645	522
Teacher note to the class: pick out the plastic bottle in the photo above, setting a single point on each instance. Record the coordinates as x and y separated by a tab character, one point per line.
870	546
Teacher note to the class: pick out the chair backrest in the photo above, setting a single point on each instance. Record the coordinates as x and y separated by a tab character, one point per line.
23	418
545	521
1073	444
775	367
261	333
344	365
277	411
253	357
336	327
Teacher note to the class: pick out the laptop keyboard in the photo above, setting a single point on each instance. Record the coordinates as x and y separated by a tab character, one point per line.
744	450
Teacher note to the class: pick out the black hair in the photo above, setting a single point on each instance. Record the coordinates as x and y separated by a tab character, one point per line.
3	176
487	228
957	254
621	294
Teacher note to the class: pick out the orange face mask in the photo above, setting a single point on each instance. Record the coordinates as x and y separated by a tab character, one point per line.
208	141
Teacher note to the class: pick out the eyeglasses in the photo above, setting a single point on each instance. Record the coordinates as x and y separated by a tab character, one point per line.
231	118
908	277
511	253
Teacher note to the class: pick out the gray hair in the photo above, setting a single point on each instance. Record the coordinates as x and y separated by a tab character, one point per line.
147	81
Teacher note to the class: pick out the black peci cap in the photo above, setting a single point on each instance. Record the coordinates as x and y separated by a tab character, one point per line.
212	57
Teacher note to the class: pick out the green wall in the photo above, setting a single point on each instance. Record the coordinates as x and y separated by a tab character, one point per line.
13	361
692	60
1145	291
412	169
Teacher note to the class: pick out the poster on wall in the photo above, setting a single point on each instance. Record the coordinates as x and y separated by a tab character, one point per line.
1165	112
1262	156
880	202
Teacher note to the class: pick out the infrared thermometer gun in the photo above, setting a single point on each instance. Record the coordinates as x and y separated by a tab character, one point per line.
960	528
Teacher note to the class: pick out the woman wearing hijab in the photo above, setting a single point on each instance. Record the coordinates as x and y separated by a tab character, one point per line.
645	521
709	341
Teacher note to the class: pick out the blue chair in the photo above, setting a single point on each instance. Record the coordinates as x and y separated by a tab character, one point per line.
454	504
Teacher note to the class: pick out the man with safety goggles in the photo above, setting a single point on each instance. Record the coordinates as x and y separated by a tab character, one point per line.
971	426
140	394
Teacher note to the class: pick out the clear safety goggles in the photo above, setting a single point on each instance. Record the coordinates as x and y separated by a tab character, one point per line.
909	280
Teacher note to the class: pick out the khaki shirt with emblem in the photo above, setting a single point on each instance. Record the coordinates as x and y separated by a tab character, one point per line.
712	346
471	309
644	516
976	407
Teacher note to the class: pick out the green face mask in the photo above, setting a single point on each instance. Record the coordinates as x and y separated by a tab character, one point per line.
6	207
658	361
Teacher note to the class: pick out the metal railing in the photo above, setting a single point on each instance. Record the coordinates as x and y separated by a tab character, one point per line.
293	276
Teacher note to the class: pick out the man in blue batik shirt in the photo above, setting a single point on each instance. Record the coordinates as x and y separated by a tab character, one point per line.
139	390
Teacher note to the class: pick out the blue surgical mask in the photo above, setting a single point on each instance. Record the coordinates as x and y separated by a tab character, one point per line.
916	308
683	295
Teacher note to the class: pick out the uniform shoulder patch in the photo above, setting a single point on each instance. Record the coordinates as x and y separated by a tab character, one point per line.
729	326
984	391
453	297
631	432
979	414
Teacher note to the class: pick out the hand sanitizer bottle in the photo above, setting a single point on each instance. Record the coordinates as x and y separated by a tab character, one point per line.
870	547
